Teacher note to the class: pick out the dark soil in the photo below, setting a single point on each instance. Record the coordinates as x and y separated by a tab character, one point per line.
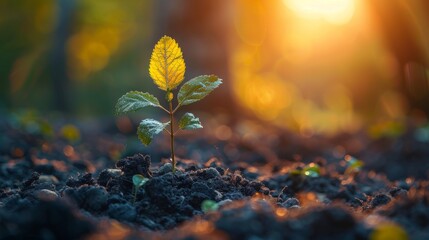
54	187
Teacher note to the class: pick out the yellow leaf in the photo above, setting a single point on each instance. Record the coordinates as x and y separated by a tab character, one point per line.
167	66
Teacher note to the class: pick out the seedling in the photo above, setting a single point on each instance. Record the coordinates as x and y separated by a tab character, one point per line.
354	165
138	181
167	69
311	170
209	205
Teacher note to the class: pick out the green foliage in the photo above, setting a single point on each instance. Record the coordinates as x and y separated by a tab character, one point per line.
197	88
209	205
138	181
189	121
148	128
134	101
167	68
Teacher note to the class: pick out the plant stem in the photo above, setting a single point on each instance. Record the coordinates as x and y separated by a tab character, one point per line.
172	136
135	194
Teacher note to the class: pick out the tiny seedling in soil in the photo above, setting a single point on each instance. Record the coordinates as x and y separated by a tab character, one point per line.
209	205
354	165
138	181
167	69
311	170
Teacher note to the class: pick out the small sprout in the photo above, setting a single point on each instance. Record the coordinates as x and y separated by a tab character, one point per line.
354	165
167	70
312	170
138	181
209	205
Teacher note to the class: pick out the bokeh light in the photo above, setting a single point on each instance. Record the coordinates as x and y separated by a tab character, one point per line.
316	66
312	66
333	11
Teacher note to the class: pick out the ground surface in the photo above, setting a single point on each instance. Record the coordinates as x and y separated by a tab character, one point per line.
62	181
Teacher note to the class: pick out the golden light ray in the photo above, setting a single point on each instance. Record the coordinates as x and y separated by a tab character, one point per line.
333	11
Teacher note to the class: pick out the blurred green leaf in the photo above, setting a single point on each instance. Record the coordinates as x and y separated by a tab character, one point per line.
70	132
312	170
354	165
422	134
209	205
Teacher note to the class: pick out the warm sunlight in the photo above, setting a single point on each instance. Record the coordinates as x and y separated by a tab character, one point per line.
292	78
333	11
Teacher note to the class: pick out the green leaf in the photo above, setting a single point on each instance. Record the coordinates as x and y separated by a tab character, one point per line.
189	121
139	180
135	100
197	88
148	128
209	205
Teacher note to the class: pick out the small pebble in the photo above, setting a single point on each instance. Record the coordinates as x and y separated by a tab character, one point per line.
122	212
219	195
114	172
46	194
224	202
166	168
48	179
212	172
398	192
290	202
380	200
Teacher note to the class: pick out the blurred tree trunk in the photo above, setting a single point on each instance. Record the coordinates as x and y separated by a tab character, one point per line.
60	79
399	29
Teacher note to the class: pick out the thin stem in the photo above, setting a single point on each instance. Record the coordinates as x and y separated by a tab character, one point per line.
135	194
178	105
172	136
177	131
281	192
163	108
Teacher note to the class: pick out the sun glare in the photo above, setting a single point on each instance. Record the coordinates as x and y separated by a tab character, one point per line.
337	12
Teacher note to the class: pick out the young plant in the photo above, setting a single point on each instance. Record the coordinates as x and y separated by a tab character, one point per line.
167	69
209	205
354	165
138	181
310	170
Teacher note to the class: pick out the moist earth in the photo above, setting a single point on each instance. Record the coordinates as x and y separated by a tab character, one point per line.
52	188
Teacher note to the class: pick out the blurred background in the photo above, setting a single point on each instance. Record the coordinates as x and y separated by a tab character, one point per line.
311	66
